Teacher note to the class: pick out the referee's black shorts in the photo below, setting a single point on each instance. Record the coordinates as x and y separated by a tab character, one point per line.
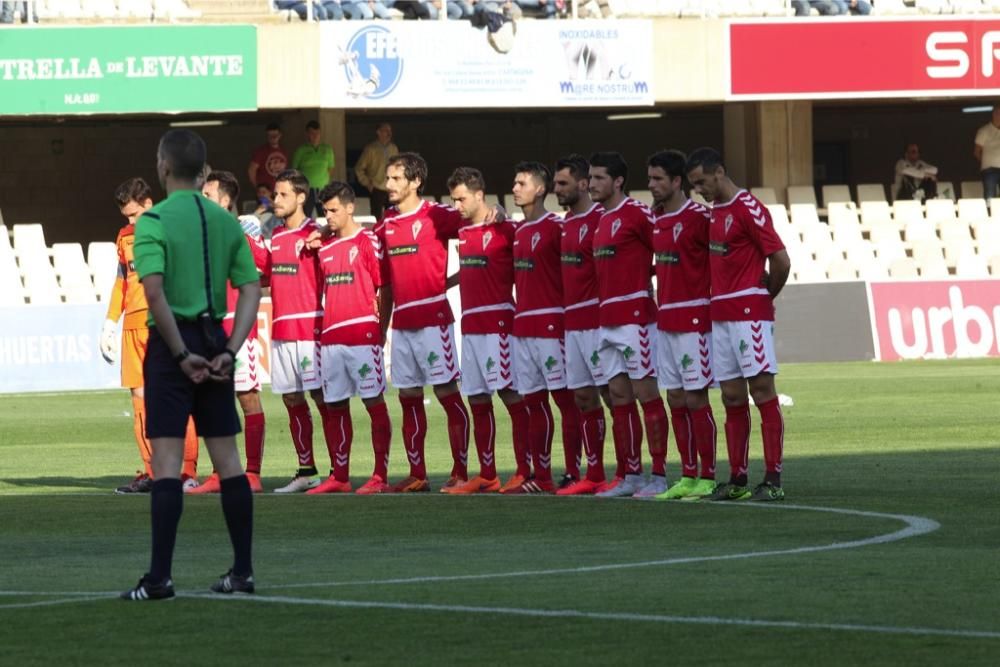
171	396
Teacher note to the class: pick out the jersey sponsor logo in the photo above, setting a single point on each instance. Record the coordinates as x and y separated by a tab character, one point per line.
615	226
285	269
718	248
535	239
344	278
487	237
574	258
668	258
729	223
524	265
473	262
678	228
403	250
604	252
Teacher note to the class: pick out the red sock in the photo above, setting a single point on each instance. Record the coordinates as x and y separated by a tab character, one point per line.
253	437
381	437
301	424
705	434
414	432
540	430
593	443
772	428
627	430
484	426
738	441
570	422
654	415
458	433
520	431
683	436
337	422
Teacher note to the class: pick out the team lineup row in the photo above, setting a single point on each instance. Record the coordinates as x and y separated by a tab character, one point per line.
585	327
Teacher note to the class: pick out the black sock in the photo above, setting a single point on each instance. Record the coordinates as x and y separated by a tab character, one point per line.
237	506
738	480
773	477
166	502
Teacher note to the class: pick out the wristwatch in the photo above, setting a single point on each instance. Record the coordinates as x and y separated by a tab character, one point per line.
231	354
182	355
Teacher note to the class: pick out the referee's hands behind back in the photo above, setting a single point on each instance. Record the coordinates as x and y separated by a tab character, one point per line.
221	367
196	367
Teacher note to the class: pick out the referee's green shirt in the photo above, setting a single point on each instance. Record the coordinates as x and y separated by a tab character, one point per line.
168	240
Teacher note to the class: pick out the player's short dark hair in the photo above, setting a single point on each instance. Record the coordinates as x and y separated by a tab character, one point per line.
613	162
537	170
578	166
672	162
295	178
228	185
337	190
414	167
272	126
706	158
470	177
185	152
312	125
134	189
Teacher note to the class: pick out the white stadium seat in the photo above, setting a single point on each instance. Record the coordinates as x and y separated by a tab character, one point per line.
73	272
29	238
918	231
5	246
971	265
11	287
102	259
972	189
875	213
933	268
907	210
904	268
767	196
836	193
871	192
945	192
972	211
939	211
927	249
801	194
40	279
842	269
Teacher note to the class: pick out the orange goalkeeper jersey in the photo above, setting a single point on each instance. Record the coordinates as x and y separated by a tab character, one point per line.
127	296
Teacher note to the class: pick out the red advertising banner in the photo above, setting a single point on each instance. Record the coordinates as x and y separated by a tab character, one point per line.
918	320
857	57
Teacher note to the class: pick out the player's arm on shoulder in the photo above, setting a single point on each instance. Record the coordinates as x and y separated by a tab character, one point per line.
384	307
779	265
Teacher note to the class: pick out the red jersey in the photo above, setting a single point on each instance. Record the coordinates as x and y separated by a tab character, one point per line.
579	276
415	246
486	277
296	284
741	238
538	278
351	276
260	257
680	242
623	255
270	162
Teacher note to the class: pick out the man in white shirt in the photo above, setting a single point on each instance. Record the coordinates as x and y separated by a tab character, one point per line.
915	179
987	152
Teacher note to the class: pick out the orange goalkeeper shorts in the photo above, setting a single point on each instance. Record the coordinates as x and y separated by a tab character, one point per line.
133	352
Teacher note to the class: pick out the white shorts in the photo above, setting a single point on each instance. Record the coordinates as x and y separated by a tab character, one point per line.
743	349
583	363
424	356
630	349
684	360
351	370
245	372
295	366
538	364
486	363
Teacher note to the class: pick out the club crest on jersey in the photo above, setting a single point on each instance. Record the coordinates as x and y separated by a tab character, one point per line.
678	228
729	222
615	226
583	232
535	238
416	227
352	255
487	237
299	245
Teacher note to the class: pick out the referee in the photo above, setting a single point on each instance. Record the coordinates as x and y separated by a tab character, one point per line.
186	248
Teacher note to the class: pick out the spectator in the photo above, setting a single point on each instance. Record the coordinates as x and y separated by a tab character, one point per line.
915	179
414	9
855	7
301	8
334	12
316	161
595	9
545	9
265	211
370	168
824	7
366	9
987	152
268	160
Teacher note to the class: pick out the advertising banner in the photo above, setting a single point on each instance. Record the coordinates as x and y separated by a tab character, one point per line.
935	319
128	69
445	64
864	58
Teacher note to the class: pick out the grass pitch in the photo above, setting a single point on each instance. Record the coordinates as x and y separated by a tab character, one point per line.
885	552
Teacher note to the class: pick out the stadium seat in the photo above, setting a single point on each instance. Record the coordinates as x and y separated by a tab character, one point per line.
810	272
804	215
904	268
875	213
955	230
767	196
971	265
888	251
873	271
933	268
102	259
362	206
698	198
29	238
801	194
39	278
994	206
846	232
927	249
871	192
842	269
73	273
905	211
988	239
972	189
946	191
5	247
836	193
837	212
11	287
939	211
885	232
972	211
918	231
994	264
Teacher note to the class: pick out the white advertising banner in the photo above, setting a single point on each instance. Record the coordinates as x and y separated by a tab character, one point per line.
450	64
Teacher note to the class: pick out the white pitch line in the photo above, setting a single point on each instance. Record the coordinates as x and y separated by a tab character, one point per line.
607	616
89	597
915	525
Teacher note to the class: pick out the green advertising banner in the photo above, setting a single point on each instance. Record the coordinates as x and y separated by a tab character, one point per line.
159	69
